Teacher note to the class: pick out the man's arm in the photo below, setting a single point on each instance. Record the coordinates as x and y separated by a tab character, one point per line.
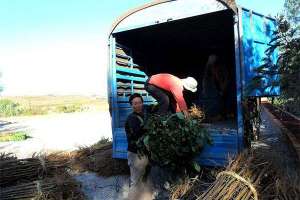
178	96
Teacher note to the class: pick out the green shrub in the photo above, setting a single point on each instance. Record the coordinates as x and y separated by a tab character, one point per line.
69	108
173	141
17	136
9	108
33	110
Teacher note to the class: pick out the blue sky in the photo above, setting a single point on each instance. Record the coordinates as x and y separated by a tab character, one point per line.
59	46
52	18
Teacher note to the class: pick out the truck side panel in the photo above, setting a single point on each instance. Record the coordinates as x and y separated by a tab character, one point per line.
257	31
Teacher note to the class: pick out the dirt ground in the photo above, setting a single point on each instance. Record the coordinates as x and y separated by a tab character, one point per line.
56	132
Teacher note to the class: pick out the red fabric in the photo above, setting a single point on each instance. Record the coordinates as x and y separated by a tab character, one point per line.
173	85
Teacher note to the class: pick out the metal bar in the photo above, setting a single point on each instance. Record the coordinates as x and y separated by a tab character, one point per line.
118	76
113	89
239	89
131	71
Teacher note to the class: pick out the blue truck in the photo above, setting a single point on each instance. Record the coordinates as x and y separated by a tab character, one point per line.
177	37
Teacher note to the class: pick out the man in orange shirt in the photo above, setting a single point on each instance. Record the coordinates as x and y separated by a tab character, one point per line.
162	86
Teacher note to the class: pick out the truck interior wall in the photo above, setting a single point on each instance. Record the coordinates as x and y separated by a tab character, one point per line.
182	48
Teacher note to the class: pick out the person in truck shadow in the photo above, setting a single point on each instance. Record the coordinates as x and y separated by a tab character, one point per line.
134	130
217	87
168	89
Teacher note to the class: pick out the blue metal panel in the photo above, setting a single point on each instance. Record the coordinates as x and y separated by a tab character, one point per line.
120	150
257	31
131	78
113	93
251	39
238	77
224	146
146	99
132	71
126	78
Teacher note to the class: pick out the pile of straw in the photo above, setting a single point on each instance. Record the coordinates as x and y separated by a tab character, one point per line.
99	159
190	188
7	156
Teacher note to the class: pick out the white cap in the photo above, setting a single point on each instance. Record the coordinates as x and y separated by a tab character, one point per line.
190	84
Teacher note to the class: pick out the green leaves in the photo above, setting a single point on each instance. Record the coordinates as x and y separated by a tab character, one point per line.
196	166
180	115
173	141
146	142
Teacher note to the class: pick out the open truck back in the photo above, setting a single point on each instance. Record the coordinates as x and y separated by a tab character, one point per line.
177	37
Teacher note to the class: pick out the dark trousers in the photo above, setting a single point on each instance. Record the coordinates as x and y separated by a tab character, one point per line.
162	97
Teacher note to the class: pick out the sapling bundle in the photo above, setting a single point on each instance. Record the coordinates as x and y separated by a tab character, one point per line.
63	186
21	170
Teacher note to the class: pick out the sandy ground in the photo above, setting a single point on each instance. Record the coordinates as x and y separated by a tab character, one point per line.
106	188
56	132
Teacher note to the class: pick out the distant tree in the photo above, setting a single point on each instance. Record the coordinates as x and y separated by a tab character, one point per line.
286	40
292	11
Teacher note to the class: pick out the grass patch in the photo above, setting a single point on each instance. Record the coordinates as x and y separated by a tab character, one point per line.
16	136
289	105
70	108
41	105
9	108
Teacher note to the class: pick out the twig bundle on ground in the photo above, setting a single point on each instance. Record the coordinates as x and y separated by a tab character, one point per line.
249	176
39	177
19	170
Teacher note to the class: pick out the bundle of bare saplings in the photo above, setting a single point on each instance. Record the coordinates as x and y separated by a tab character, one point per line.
172	141
249	176
39	177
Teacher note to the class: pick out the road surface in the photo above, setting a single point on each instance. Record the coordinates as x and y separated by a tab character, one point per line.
56	132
